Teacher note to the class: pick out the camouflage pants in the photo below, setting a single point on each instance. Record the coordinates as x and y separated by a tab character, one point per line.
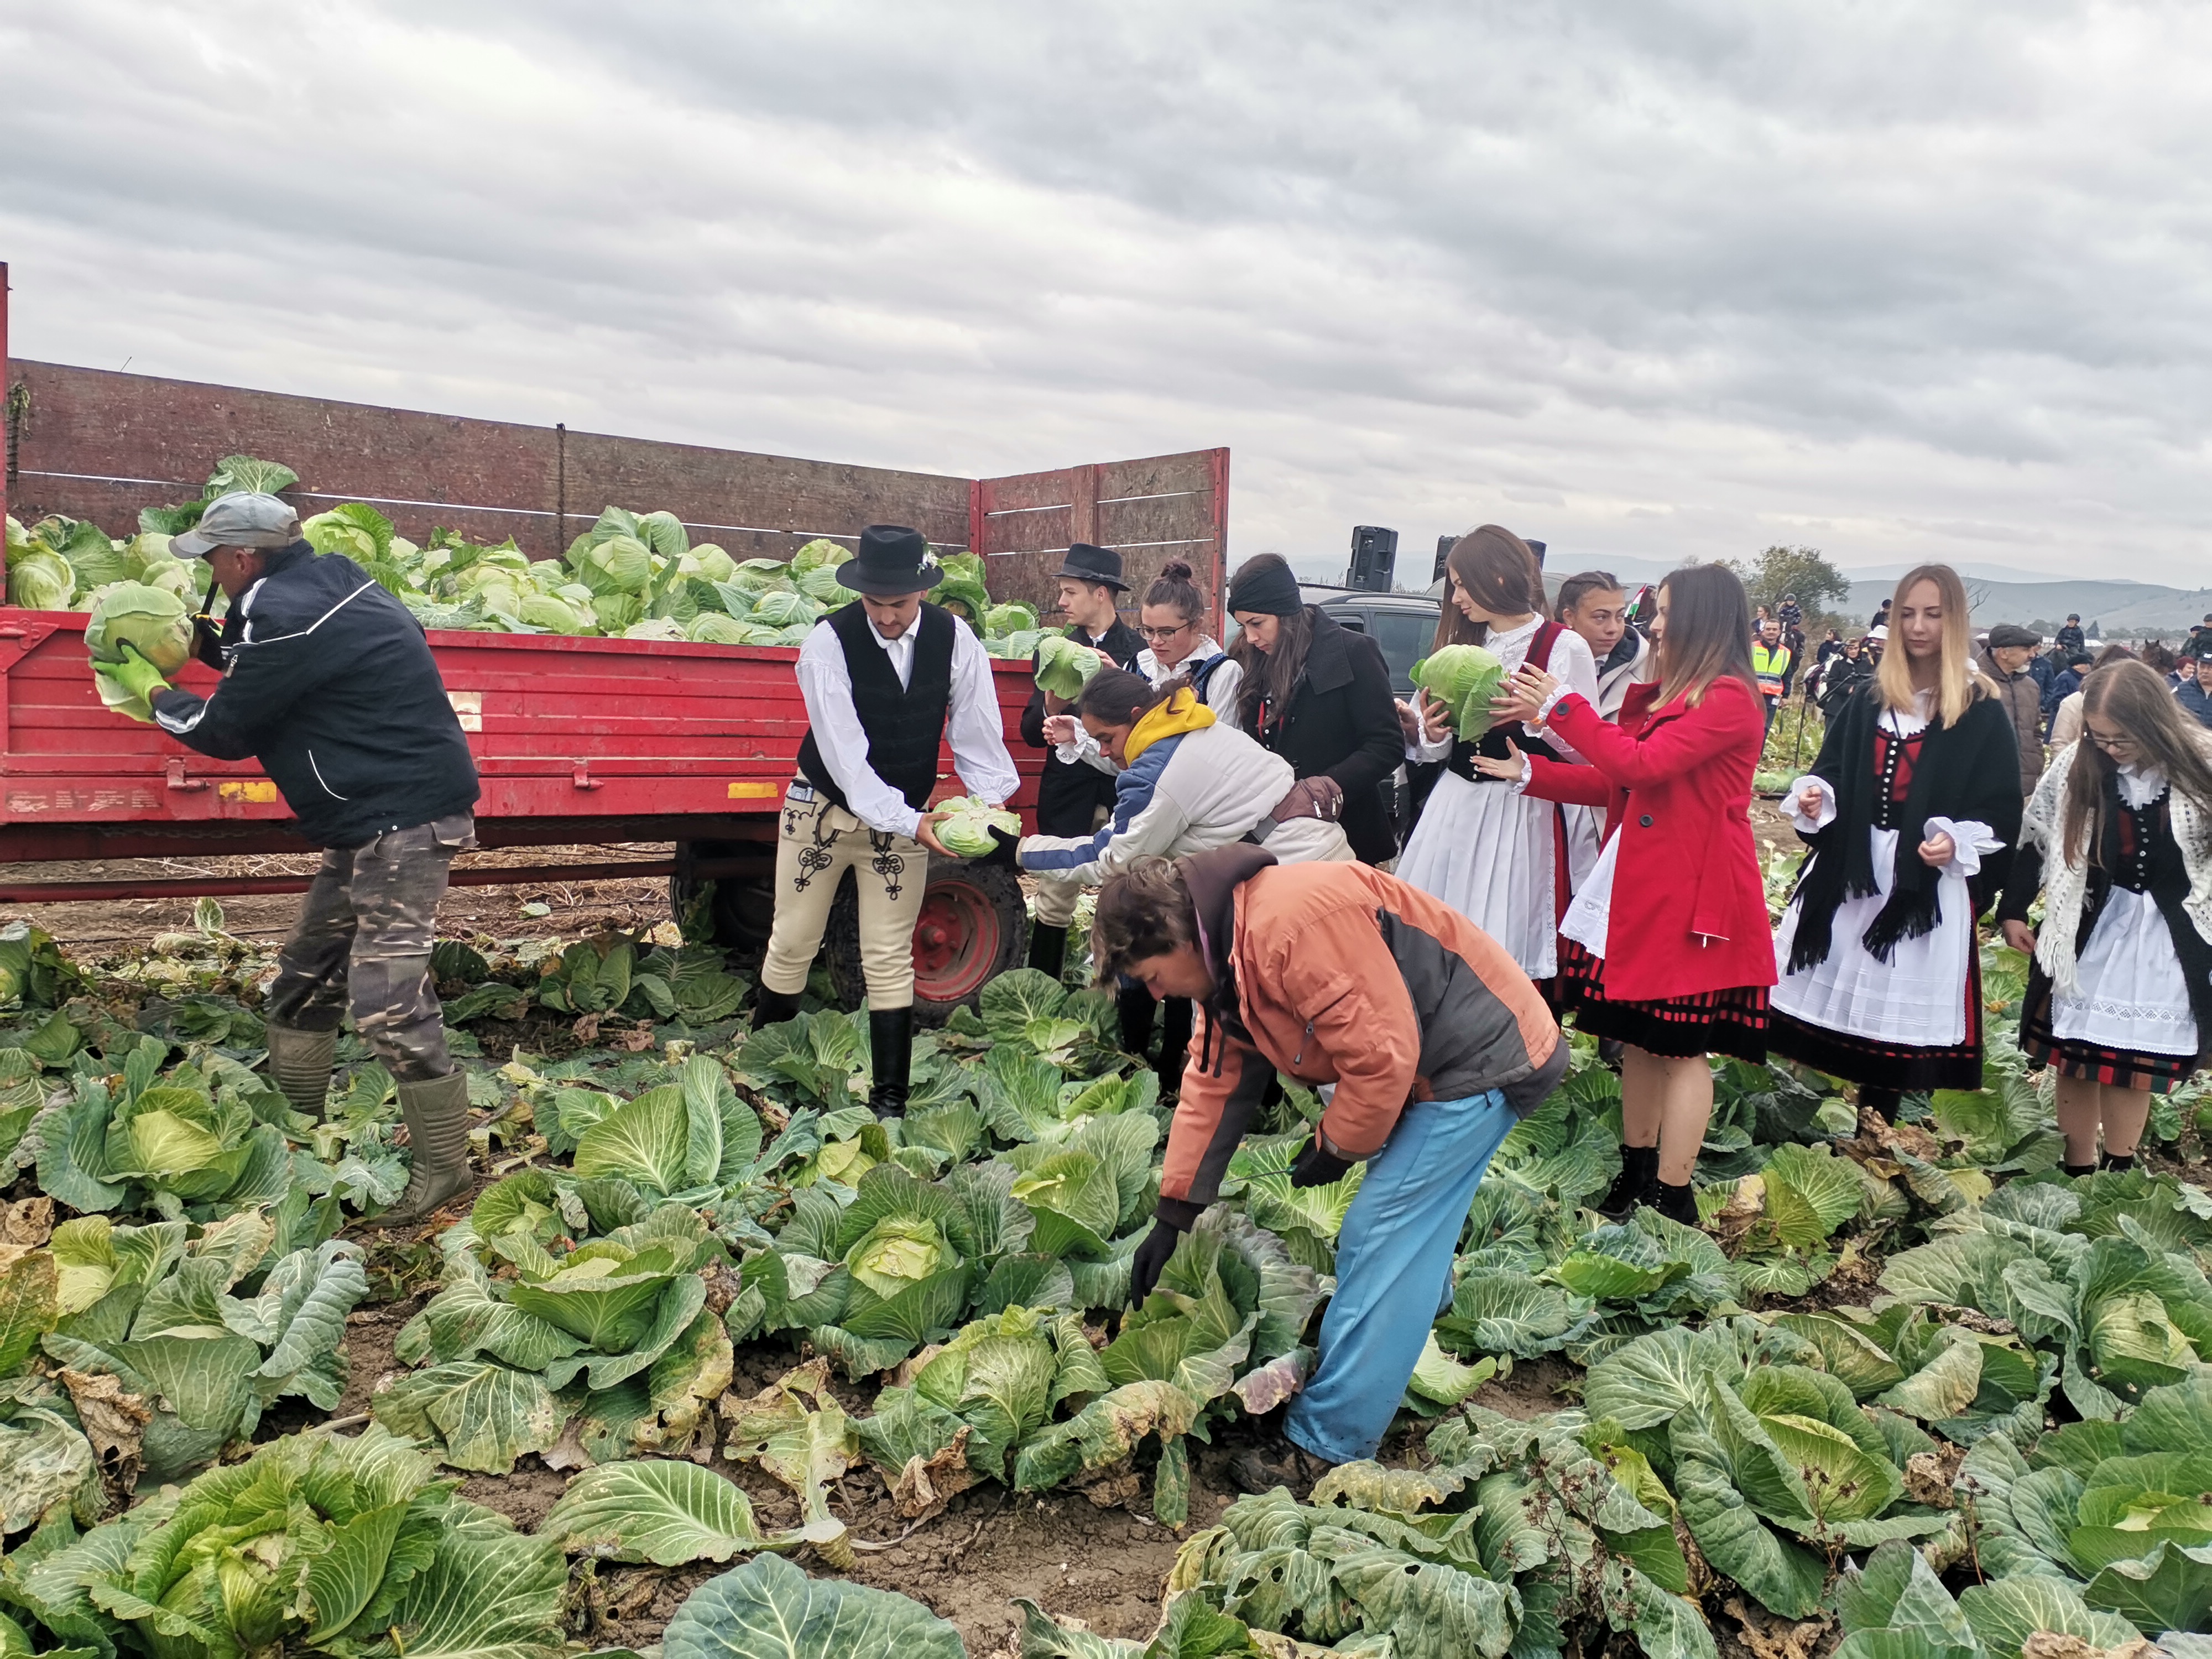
363	940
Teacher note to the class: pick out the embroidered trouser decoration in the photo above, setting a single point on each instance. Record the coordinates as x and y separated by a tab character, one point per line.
362	943
818	843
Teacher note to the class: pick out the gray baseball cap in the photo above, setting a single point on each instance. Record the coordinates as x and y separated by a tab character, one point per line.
242	518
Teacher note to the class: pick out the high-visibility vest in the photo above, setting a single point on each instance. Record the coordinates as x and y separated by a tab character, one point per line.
1770	664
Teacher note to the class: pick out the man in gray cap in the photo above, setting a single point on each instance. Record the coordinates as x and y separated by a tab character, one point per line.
2005	661
328	682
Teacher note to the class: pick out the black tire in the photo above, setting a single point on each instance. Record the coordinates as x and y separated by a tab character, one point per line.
744	906
974	926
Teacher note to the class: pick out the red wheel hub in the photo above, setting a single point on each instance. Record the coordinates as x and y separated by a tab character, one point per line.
954	942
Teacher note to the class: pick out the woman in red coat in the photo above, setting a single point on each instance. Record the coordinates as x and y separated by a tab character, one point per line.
1667	945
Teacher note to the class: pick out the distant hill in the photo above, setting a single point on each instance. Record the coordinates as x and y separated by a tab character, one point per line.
2118	607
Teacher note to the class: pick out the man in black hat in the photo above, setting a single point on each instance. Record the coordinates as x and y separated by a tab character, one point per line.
1073	796
887	679
2005	660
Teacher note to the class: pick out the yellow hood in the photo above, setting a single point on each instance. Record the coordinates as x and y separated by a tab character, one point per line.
1181	713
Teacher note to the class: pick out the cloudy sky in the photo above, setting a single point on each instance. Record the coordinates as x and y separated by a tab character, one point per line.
1645	278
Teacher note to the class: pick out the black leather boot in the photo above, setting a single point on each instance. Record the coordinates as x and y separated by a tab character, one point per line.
2117	1161
1884	1102
1676	1203
1135	1005
890	1056
1637	1184
1047	948
772	1007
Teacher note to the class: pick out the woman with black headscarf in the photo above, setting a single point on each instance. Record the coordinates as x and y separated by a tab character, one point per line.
1319	696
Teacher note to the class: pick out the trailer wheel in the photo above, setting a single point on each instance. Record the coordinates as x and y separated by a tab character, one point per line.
743	906
973	926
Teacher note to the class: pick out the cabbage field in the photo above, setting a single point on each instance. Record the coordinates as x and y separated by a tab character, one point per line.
711	1365
756	1353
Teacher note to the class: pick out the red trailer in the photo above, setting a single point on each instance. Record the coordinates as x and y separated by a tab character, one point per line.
580	741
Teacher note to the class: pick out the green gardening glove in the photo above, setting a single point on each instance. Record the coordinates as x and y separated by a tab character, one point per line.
137	676
127	687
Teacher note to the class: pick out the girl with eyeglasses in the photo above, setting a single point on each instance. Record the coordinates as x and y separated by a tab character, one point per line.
2117	839
1173	614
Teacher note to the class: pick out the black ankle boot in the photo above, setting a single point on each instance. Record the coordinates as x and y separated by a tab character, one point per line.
1047	948
1883	1102
2076	1171
2120	1161
1637	1183
772	1007
1135	1005
890	1060
1676	1203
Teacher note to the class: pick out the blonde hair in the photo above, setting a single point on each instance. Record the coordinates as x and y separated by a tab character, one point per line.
1956	682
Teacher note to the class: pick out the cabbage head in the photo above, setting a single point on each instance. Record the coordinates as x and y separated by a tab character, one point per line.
620	564
966	829
708	563
821	584
554	616
1002	619
1064	667
713	628
899	1252
820	554
616	611
154	620
550	577
656	628
39	578
338	532
784	611
1464	678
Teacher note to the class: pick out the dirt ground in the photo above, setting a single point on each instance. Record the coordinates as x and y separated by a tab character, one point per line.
571	906
1103	1565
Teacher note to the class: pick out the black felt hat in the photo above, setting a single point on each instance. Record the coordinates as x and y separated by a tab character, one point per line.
1100	566
892	560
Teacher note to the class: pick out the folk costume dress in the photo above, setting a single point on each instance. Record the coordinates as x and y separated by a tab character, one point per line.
1493	853
2120	990
1880	978
1666	944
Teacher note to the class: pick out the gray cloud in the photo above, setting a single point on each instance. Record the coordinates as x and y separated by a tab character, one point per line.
1661	277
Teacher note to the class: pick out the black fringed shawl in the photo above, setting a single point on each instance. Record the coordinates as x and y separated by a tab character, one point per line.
1969	772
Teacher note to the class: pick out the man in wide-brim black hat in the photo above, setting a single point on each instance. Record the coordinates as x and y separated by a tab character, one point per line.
887	679
1074	795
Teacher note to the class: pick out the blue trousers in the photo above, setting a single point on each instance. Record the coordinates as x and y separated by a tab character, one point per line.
1393	1260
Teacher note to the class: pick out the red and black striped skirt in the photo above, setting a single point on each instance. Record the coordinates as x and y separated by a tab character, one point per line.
2093	1063
1728	1022
1878	1063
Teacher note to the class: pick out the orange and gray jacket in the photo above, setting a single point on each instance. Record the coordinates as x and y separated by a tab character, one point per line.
1336	973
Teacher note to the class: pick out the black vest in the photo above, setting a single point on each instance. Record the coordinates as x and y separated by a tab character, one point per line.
905	727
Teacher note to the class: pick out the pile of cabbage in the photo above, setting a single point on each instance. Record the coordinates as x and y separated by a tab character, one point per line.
631	575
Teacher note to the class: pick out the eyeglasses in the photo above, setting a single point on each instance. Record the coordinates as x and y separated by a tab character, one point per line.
1159	634
2111	745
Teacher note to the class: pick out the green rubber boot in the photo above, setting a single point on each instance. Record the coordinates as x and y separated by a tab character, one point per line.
300	1064
437	1114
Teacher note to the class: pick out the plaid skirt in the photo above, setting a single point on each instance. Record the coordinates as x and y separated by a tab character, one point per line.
2093	1063
1728	1022
1878	1063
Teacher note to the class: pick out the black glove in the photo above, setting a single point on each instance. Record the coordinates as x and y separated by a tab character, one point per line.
1317	1166
1151	1260
1002	849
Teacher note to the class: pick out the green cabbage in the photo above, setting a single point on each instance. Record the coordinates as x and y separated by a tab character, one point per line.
820	554
1064	667
154	620
656	628
1003	619
39	578
554	616
784	611
620	564
966	829
708	563
713	628
616	612
1464	678
358	531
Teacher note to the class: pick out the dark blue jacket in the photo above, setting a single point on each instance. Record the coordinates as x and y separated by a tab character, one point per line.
2190	696
2063	684
329	683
